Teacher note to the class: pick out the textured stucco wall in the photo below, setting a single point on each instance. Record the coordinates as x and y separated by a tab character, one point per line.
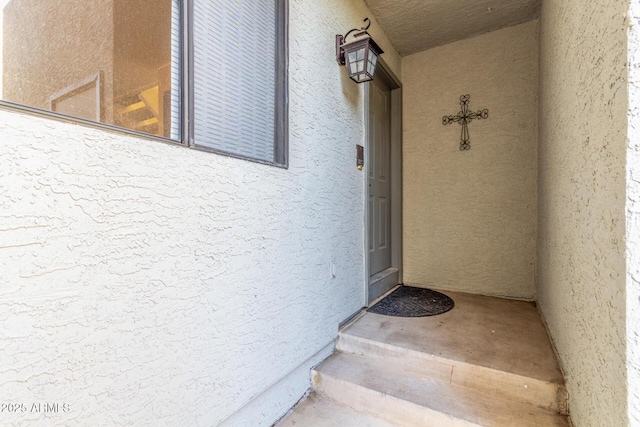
470	217
633	216
583	142
148	284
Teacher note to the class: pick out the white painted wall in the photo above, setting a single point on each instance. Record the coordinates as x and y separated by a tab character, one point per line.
149	284
470	217
581	245
633	217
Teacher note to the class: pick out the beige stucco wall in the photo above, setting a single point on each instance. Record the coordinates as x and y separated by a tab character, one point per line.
149	284
41	59
470	217
633	217
581	245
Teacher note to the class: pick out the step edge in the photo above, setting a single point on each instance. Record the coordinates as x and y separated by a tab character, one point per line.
314	397
400	415
556	393
440	359
319	377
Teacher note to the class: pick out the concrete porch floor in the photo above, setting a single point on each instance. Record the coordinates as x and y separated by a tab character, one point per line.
488	361
497	333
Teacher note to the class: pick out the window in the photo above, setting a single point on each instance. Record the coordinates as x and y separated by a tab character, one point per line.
207	73
110	61
239	77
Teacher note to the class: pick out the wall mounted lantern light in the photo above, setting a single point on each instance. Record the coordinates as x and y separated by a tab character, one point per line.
360	55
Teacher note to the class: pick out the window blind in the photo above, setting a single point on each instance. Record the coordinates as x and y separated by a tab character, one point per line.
235	76
176	75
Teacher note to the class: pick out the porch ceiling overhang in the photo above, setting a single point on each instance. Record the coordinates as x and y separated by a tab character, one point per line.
417	25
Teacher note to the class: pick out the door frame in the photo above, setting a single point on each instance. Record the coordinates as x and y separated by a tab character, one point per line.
384	71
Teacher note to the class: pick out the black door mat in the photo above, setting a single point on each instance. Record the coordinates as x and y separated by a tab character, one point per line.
407	301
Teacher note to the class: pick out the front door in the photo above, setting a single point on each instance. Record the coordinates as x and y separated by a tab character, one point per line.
382	274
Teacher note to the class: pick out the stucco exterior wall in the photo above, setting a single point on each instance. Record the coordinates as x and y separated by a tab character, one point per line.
470	216
581	245
148	284
633	216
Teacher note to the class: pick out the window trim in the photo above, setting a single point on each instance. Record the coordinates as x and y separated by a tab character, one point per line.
187	77
282	85
61	117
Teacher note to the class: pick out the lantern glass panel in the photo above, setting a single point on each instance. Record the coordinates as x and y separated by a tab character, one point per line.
373	57
356	60
361	57
372	60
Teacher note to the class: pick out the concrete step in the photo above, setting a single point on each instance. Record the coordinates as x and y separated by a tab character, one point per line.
316	411
494	345
535	391
401	393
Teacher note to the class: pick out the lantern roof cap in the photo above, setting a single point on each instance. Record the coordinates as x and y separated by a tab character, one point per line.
364	36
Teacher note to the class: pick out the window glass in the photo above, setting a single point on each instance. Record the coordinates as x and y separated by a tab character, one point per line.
110	61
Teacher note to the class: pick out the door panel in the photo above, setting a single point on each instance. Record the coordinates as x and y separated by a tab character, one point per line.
370	225
379	150
383	242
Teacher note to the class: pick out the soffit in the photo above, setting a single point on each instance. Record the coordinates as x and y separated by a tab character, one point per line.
416	25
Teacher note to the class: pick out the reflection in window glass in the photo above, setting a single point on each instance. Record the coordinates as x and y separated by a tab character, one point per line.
112	61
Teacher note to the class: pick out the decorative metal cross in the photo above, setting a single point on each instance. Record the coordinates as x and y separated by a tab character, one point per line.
464	117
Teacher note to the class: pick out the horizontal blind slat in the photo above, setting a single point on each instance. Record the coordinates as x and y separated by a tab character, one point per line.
235	76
